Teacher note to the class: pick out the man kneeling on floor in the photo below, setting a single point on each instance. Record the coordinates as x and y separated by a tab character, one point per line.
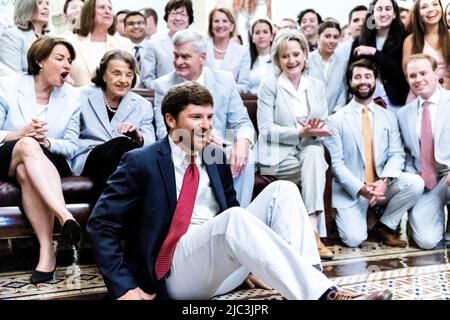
367	158
173	207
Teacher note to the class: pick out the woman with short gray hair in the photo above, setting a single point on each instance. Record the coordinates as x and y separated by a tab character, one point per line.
30	19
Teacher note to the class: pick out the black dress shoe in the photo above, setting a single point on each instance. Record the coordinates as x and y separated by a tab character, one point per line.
71	232
41	277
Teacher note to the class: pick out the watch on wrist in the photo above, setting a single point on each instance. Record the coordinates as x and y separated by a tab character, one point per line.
388	180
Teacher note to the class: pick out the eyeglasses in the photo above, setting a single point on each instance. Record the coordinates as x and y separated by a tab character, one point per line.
174	13
135	23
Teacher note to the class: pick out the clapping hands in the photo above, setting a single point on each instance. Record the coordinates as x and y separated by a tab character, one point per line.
313	127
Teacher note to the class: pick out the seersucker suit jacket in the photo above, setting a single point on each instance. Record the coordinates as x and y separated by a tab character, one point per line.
17	99
95	127
346	149
14	45
407	118
236	60
157	60
277	123
229	110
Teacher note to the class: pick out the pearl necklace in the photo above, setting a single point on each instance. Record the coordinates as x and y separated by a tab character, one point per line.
107	105
219	51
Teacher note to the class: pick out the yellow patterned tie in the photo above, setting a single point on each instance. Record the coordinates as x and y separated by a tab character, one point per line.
368	150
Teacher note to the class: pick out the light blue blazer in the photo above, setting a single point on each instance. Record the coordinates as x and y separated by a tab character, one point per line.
229	110
236	60
95	127
14	45
407	118
17	101
335	83
277	122
157	60
346	148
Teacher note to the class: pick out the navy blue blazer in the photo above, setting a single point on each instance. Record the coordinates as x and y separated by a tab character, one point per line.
136	209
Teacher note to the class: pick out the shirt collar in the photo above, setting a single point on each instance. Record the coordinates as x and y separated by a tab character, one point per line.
200	79
434	99
358	107
179	156
305	83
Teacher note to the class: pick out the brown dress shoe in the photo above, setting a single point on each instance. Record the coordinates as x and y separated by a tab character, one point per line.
324	252
376	295
390	238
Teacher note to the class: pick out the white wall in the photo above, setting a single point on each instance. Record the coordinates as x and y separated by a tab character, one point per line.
326	8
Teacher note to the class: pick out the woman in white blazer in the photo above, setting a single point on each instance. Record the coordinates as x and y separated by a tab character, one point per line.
39	127
291	112
222	52
96	35
113	119
30	19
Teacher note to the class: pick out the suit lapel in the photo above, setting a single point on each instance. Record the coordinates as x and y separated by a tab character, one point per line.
97	103
56	104
211	84
287	89
377	132
413	136
216	185
443	115
124	109
166	168
26	99
85	52
353	120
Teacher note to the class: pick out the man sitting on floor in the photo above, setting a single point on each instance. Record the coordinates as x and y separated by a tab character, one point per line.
173	206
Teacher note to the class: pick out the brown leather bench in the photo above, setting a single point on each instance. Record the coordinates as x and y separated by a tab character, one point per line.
78	190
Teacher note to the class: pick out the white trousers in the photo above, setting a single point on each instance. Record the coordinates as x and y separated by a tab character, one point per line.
272	238
306	166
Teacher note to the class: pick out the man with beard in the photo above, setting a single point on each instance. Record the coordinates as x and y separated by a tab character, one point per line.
367	160
169	221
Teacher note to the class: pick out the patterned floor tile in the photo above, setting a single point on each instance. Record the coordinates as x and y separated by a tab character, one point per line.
410	273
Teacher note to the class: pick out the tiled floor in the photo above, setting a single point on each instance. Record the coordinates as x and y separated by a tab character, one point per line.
409	272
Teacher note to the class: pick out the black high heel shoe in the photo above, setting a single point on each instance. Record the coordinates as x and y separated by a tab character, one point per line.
71	232
41	277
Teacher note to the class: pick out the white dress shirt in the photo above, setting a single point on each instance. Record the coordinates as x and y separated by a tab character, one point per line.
434	101
300	104
206	205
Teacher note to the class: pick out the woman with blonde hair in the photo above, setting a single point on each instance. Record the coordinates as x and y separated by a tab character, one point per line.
30	19
222	52
292	108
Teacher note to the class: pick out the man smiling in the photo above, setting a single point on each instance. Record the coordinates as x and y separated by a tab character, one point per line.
173	206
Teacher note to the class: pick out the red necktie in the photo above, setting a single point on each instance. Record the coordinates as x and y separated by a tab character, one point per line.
180	220
427	161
